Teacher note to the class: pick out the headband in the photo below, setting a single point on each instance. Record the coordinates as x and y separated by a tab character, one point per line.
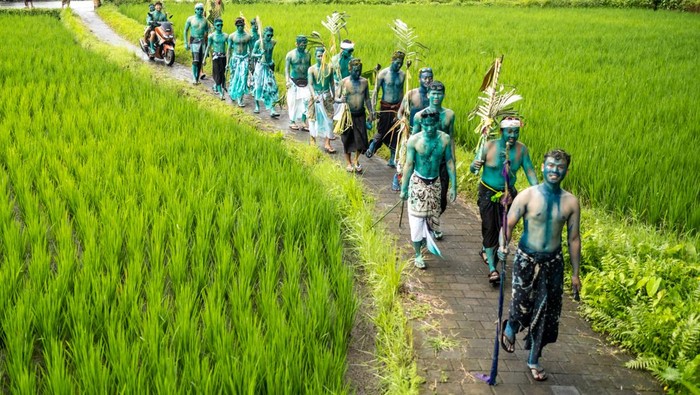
347	45
510	123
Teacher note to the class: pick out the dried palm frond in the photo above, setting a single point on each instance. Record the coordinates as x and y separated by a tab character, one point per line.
496	103
344	119
335	23
213	9
407	42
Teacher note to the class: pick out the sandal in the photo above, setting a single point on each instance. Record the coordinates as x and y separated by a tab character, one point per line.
293	127
419	262
330	150
537	372
358	168
506	343
494	277
350	169
484	257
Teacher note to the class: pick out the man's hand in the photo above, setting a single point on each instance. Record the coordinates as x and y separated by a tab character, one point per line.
453	194
575	284
476	165
187	47
404	194
502	253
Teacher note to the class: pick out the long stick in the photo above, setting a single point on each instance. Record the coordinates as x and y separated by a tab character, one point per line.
387	212
401	217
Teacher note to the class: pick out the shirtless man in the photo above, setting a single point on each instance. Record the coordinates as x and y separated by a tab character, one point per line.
296	73
538	267
354	91
196	30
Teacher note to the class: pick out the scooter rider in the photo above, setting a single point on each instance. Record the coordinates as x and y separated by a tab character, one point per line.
198	26
154	16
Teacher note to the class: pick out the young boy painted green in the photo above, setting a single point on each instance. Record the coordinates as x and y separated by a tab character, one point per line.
538	267
492	185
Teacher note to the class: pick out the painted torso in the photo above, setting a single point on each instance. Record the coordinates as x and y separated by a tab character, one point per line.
429	152
356	92
391	83
199	26
238	42
299	63
546	213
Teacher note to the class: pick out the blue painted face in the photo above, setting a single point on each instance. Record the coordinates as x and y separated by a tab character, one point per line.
510	135
436	97
429	125
396	64
356	72
199	11
426	78
554	170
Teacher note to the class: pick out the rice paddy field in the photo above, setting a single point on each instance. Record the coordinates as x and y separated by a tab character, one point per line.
145	247
616	88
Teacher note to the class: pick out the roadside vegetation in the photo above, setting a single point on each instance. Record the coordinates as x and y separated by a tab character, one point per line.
141	250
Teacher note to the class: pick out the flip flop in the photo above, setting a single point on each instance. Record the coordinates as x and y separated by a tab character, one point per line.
274	115
358	168
494	277
420	262
350	169
537	372
507	345
294	127
330	150
483	257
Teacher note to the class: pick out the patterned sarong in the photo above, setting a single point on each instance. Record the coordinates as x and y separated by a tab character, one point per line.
320	114
197	49
265	86
238	85
538	280
424	200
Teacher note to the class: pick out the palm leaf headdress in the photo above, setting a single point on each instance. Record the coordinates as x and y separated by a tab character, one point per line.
495	102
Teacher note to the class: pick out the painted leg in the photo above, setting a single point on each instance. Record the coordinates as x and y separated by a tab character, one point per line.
419	261
392	157
195	74
395	183
370	151
257	107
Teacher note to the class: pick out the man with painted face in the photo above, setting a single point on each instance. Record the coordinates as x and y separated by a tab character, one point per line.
436	94
391	82
198	27
492	185
342	60
238	48
320	111
413	101
354	91
217	43
425	151
154	16
538	266
264	84
296	73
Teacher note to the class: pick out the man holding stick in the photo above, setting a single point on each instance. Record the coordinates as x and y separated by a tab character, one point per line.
538	267
492	185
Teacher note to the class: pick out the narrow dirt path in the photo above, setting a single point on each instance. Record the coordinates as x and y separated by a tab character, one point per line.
454	309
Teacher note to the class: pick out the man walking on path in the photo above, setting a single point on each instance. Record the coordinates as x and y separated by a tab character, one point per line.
354	92
217	44
420	185
492	185
436	94
296	72
538	267
320	111
391	82
198	27
239	52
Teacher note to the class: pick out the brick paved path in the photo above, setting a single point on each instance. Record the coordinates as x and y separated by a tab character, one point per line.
454	307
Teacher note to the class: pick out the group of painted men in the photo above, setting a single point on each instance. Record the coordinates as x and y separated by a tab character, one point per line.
318	94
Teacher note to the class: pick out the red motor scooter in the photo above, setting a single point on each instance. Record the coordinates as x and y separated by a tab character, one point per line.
164	45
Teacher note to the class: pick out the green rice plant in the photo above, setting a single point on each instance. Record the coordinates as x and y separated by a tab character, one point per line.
140	258
578	72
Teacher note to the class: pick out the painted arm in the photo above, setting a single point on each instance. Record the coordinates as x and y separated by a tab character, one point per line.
574	239
528	168
184	35
408	168
478	161
375	91
287	67
450	130
451	170
368	104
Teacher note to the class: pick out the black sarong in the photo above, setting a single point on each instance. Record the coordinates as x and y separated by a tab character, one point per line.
218	66
444	183
538	279
491	214
387	119
354	138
